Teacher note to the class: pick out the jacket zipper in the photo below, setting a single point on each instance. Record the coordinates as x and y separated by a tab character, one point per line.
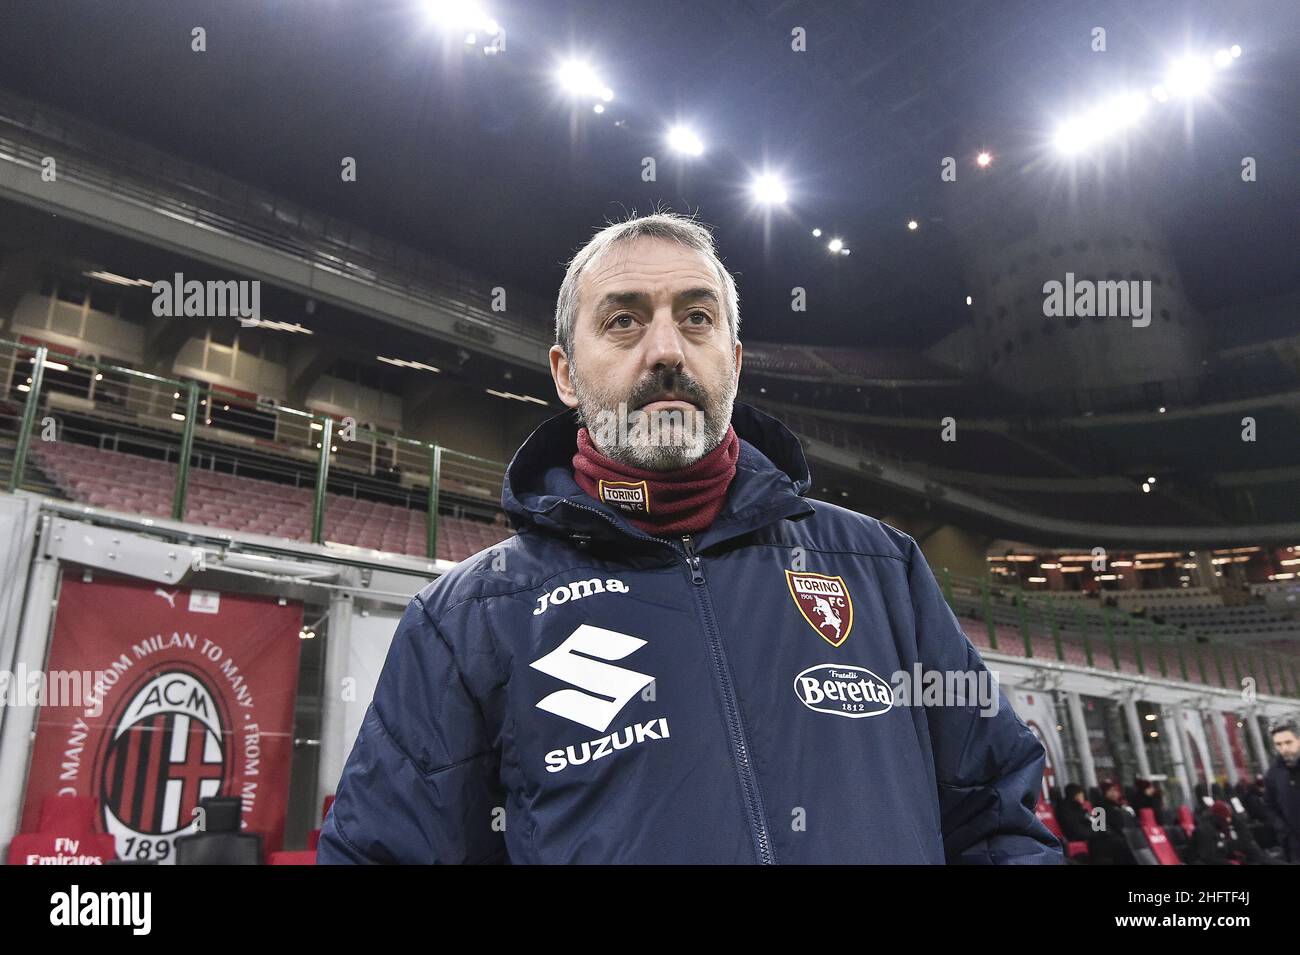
740	748
753	801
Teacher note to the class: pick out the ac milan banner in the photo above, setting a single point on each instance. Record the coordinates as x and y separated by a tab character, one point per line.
1038	710
192	696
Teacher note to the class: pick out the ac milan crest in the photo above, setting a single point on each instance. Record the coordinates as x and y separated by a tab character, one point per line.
167	753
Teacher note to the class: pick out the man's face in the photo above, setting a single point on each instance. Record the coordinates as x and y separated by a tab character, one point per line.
1287	746
652	346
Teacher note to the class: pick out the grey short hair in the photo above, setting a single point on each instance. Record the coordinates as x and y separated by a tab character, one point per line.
683	230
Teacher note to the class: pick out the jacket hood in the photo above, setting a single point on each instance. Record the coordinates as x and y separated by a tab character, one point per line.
539	490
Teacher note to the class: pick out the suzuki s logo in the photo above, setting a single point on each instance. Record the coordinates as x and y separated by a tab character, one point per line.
843	690
824	602
577	661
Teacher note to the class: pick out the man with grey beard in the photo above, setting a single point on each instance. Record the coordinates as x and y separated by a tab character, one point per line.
677	658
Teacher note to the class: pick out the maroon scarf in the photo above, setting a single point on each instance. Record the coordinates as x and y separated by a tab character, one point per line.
684	501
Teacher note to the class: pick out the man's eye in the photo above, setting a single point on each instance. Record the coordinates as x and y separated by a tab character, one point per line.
704	315
625	320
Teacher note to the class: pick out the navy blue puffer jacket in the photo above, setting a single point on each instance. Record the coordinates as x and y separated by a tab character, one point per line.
588	693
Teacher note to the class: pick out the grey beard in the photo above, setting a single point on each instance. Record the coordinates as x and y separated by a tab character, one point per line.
657	457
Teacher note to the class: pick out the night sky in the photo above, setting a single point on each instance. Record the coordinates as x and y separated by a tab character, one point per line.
481	161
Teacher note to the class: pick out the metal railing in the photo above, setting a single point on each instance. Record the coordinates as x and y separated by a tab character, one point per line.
126	440
1069	631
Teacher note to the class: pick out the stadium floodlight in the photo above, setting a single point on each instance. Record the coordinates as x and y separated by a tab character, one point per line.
1124	110
1235	50
817	233
682	139
835	245
983	159
1222	58
1081	132
407	363
1159	93
769	190
580	79
969	300
598	108
1116	114
1069	137
115	279
466	16
1188	77
514	397
913	225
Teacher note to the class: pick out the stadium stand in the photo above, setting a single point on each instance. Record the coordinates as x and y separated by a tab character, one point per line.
133	484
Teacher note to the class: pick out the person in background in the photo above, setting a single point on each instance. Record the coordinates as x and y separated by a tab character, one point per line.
1223	839
1147	795
1282	789
1118	816
1075	820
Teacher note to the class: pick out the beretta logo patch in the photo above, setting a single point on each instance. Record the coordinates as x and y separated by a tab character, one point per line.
843	690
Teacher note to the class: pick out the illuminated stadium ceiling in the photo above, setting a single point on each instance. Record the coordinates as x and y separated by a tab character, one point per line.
482	160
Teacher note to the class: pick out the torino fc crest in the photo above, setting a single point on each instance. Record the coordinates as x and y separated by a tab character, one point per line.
166	754
824	602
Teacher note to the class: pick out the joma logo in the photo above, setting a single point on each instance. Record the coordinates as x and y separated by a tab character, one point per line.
577	590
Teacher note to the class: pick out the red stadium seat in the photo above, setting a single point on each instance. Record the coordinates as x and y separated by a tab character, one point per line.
66	832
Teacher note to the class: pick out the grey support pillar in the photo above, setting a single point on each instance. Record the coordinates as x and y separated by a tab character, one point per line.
1221	733
1079	727
1262	755
17	733
334	744
1187	743
1129	706
1205	572
1173	731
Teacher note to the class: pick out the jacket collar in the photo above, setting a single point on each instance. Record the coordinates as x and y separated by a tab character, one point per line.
771	478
